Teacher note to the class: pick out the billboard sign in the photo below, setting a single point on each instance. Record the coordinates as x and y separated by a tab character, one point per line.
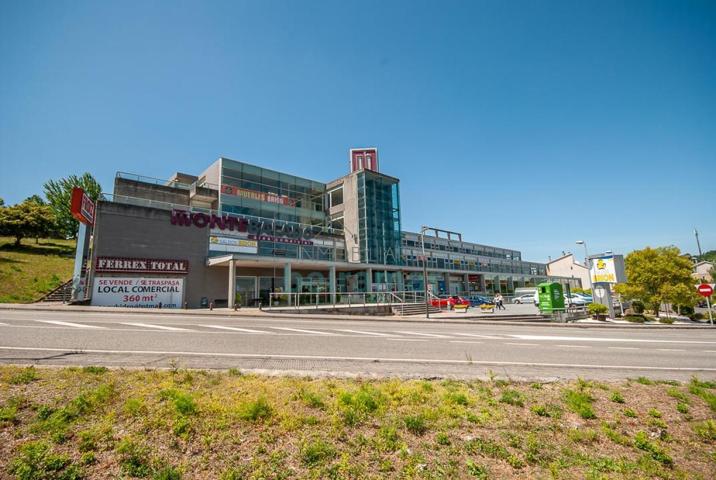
81	206
607	269
268	197
232	245
137	292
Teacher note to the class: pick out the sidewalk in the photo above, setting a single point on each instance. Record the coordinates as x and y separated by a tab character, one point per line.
501	318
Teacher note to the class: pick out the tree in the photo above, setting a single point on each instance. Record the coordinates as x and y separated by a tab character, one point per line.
680	295
59	194
26	219
2	202
655	276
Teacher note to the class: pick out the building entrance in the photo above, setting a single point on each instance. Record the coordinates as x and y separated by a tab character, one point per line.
245	290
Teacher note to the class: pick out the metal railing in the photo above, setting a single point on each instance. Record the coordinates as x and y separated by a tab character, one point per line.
317	300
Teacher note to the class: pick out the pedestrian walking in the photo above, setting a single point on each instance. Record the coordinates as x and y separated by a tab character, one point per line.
499	302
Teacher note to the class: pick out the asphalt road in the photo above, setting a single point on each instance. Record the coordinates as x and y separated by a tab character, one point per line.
353	347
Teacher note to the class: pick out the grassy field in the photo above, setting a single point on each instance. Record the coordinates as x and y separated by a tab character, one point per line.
99	423
33	269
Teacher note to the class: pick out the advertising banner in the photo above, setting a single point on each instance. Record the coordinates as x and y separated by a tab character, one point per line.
603	270
140	265
137	292
232	245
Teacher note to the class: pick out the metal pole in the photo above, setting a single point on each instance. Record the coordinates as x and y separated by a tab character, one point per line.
711	315
425	273
698	244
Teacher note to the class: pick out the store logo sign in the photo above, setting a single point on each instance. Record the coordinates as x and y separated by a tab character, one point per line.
257	229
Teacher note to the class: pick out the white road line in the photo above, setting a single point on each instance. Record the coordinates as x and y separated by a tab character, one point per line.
572	346
315	332
4	324
160	327
524	344
407	339
364	359
362	332
236	329
70	324
465	341
709	351
671	350
431	335
623	348
475	335
604	339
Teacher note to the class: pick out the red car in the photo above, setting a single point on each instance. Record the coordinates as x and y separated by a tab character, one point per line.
449	302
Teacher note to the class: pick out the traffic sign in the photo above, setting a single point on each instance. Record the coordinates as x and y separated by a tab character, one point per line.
705	290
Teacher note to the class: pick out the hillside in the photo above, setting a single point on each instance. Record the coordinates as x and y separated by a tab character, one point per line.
33	269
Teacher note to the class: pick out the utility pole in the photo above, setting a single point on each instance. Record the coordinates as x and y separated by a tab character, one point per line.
698	243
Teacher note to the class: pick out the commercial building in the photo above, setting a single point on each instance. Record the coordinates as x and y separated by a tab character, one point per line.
237	232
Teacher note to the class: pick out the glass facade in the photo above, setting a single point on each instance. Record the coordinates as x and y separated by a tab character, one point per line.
379	218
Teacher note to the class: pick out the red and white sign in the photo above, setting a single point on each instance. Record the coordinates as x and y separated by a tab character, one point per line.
140	265
705	290
82	206
364	159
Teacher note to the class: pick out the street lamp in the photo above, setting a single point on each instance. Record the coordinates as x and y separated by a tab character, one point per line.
587	263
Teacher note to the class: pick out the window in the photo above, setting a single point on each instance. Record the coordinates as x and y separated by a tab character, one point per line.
335	197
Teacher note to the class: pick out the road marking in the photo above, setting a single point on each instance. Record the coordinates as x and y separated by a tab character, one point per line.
236	329
604	339
70	324
623	348
362	332
465	341
315	332
710	351
475	335
431	335
362	359
671	350
407	339
573	346
4	324
160	327
524	344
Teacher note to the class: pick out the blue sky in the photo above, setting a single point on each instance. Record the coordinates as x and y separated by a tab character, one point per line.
521	124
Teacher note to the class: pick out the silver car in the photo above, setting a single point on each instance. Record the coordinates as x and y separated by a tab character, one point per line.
526	298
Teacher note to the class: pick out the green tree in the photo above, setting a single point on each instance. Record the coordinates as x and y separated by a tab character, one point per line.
27	219
2	202
655	276
680	295
59	194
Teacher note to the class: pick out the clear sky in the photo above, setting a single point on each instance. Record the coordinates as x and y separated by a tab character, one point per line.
523	124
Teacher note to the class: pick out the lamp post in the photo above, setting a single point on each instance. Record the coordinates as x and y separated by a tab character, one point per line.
587	262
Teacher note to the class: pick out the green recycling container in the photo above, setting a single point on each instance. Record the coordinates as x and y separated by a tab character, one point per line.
551	296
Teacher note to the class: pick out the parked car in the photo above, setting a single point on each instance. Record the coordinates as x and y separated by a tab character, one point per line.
449	302
585	297
477	300
574	300
524	298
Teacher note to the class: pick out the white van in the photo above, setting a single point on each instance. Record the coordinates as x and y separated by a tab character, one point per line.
525	291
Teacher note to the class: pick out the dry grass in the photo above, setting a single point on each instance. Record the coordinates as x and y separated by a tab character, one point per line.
98	423
33	269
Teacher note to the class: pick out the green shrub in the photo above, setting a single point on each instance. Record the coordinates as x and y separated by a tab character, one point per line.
8	414
356	406
682	407
549	410
311	399
316	451
635	318
597	309
415	424
628	412
616	397
477	471
458	398
653	412
666	320
706	430
258	409
512	397
25	376
583	435
37	461
641	441
167	473
580	403
134	406
644	381
183	402
134	458
442	438
638	306
94	370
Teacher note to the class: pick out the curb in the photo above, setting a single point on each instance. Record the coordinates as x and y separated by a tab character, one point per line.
537	321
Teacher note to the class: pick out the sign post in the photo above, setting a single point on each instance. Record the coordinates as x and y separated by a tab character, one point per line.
706	290
83	209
